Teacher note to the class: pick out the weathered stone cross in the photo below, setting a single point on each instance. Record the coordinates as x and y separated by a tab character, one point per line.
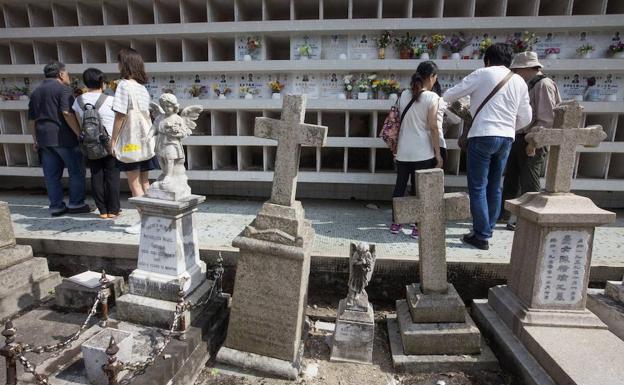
291	133
431	208
563	139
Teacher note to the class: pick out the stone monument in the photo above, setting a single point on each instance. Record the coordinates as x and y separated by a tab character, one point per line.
168	259
608	305
539	318
270	293
24	280
355	320
432	329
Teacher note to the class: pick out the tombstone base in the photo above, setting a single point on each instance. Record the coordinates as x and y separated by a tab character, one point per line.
260	363
540	358
609	309
182	192
165	287
436	338
354	335
516	315
289	220
157	312
435	308
94	353
615	290
71	295
439	362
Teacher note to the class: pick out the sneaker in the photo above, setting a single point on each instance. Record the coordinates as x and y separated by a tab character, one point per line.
472	240
414	232
510	227
134	229
395	228
80	210
59	213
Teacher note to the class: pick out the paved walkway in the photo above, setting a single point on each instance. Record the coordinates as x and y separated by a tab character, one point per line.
337	223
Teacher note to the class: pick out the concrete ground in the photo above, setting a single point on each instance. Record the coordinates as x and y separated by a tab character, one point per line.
337	223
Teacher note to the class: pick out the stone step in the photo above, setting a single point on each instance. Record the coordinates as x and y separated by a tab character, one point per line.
609	310
13	255
26	272
28	294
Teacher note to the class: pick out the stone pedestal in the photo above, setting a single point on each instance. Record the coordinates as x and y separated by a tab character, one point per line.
24	280
71	294
354	335
608	305
270	293
168	262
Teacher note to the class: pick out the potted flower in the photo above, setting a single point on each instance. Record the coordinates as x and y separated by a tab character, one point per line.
362	86
247	92
455	45
522	42
433	42
483	46
418	52
374	85
305	51
551	53
196	91
221	93
382	43
585	51
403	44
21	93
348	85
617	50
252	46
276	89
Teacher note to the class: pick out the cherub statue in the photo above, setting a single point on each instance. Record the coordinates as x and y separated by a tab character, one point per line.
169	129
361	265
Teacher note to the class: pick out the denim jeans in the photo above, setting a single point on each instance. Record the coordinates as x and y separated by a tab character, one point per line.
486	160
53	161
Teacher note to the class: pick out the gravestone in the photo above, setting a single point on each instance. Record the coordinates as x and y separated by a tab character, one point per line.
355	321
539	318
608	305
270	292
24	280
431	325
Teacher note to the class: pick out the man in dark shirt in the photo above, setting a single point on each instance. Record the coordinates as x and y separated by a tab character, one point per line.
55	132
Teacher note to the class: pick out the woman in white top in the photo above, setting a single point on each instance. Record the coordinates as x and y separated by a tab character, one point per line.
104	172
133	77
419	138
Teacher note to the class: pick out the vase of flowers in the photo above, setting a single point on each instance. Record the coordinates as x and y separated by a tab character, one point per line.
551	53
616	50
585	51
417	52
483	46
403	44
221	93
276	88
455	44
253	45
390	87
348	85
374	85
246	92
522	42
382	43
362	85
196	91
305	51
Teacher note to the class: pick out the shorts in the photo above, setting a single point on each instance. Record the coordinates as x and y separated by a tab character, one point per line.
145	165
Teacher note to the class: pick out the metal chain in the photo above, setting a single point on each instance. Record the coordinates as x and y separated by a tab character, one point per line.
32	369
67	343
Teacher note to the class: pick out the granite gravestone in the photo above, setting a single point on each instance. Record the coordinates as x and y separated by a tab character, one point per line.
432	320
355	320
268	304
24	280
540	314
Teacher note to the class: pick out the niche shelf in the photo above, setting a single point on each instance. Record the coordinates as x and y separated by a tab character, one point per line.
221	49
383	161
90	14
65	15
199	157
607	122
141	12
332	159
16	155
45	51
277	47
248	10
223	123
458	8
3	160
307	160
591	165
245	121
70	52
204	124
366	9
335	122
11	122
251	158
93	51
167	11
522	7
489	8
224	158
194	11
555	7
360	124
113	47
147	49
335	9
169	50
5	54
426	8
195	50
269	158
593	7
615	7
115	13
15	15
307	10
221	10
359	160
23	53
277	10
616	171
40	16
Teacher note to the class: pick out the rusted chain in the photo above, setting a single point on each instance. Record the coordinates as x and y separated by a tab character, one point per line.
31	368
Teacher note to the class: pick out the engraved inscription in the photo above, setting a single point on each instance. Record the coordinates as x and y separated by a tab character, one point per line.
157	248
563	267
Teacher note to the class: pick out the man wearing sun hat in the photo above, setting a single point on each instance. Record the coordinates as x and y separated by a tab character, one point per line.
525	163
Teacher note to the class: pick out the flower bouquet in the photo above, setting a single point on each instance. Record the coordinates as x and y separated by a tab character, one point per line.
196	91
522	42
305	51
551	53
247	92
389	87
433	42
403	44
455	45
382	43
585	51
221	92
484	45
276	87
362	85
348	85
616	50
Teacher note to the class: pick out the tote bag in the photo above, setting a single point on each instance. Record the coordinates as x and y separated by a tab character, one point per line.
132	145
392	125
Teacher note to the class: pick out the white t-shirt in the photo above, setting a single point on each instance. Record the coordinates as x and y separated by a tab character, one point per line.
107	116
509	110
122	96
415	136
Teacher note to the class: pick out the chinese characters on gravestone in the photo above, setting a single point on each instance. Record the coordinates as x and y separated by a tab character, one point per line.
563	268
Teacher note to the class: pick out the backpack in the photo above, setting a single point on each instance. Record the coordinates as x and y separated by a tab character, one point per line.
94	140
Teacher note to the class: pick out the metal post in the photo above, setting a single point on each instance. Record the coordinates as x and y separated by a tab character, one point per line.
218	274
104	294
9	351
180	310
112	367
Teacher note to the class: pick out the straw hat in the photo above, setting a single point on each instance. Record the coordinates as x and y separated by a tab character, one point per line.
525	60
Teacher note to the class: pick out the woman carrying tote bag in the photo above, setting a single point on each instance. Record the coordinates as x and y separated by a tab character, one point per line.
134	155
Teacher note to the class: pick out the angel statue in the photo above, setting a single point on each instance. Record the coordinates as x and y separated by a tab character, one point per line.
170	128
361	265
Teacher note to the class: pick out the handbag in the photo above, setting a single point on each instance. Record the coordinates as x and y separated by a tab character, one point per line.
392	125
132	144
462	142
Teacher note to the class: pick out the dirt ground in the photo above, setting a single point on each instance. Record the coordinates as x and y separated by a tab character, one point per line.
318	370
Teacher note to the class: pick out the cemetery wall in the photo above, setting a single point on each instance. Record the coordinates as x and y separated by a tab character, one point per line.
200	46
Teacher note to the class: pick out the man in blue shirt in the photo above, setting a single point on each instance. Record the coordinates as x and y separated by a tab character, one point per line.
55	132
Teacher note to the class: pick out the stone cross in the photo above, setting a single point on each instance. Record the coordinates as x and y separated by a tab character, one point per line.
291	133
563	139
431	208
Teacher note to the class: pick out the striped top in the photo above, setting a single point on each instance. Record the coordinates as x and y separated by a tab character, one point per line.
122	96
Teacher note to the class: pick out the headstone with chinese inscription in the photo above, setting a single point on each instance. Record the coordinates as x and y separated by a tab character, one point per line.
543	304
267	315
431	325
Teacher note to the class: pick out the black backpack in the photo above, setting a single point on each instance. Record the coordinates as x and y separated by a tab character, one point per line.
94	140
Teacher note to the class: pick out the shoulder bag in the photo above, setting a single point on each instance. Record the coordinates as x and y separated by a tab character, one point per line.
392	125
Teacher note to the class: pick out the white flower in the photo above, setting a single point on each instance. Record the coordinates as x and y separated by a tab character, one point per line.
347	81
372	77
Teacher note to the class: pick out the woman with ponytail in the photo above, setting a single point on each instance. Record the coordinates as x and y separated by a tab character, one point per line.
419	138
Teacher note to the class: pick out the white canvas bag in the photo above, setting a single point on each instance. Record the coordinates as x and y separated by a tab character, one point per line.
132	146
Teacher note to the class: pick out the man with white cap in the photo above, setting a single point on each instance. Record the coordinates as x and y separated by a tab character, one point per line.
525	163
